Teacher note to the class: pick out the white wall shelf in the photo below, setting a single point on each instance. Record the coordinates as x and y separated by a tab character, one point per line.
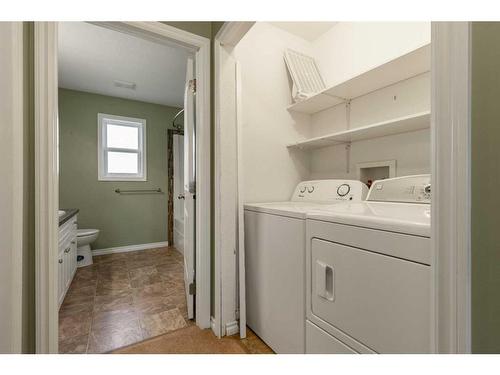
395	126
399	69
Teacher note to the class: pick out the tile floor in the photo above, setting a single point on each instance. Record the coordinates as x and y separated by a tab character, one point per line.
123	299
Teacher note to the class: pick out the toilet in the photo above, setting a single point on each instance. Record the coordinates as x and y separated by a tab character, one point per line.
84	237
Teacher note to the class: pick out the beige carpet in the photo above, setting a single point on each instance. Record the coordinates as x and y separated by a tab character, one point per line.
192	340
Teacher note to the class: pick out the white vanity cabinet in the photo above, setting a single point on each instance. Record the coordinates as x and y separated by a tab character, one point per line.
66	265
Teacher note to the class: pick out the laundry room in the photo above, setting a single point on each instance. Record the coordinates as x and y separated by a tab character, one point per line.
328	110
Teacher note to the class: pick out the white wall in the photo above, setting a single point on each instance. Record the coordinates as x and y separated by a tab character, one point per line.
270	170
351	48
410	150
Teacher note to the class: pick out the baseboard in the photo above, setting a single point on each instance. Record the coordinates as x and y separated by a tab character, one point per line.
126	249
232	328
213	326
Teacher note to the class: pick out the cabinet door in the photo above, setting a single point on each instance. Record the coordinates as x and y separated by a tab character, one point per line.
73	257
67	265
60	275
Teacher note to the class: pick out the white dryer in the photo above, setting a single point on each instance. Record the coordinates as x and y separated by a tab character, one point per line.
369	272
275	260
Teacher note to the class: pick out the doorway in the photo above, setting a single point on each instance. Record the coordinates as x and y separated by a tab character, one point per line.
48	175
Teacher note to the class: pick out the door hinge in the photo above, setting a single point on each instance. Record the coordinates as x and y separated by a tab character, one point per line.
192	288
192	85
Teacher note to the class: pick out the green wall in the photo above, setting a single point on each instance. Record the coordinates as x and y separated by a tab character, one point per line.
199	28
485	182
121	219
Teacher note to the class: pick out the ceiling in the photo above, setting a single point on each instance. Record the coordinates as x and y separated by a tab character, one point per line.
305	30
92	57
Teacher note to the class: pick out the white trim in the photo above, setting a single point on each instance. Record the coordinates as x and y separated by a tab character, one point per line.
450	142
214	327
232	32
18	245
46	187
128	248
240	242
46	179
104	119
232	328
217	317
13	186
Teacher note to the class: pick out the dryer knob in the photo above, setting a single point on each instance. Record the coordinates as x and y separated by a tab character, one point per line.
343	190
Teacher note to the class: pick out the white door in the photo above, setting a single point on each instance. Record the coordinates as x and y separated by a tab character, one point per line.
178	151
189	187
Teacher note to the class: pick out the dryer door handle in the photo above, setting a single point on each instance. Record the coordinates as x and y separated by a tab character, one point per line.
325	281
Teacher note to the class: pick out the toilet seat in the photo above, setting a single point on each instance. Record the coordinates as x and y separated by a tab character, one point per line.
86	232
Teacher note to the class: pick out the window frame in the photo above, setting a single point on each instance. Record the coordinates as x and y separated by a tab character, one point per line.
103	120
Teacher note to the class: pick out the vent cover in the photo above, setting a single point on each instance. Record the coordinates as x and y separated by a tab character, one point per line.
305	74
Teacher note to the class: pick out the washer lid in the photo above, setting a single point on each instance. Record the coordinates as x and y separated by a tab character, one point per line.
291	209
407	218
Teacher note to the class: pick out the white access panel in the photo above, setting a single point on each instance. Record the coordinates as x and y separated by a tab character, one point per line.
378	300
275	295
319	341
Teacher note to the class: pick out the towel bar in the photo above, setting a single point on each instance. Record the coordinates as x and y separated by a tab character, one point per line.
152	191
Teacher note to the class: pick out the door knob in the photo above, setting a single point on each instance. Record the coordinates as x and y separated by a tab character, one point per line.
180	196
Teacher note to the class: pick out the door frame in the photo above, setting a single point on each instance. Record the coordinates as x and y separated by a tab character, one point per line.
227	263
46	168
450	166
13	241
451	184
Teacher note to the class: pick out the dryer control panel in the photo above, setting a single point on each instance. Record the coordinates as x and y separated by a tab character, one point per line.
407	189
330	191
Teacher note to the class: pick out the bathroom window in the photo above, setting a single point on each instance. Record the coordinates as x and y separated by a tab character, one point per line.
122	148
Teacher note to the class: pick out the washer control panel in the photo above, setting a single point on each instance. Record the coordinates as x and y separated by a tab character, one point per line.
330	191
408	189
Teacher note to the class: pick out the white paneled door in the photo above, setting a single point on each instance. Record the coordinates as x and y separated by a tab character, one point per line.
189	187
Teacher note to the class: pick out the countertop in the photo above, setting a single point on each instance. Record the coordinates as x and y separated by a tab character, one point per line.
69	213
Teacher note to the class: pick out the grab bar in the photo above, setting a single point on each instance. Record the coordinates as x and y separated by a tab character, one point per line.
152	191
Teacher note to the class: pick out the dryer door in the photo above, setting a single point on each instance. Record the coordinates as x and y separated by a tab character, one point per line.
379	300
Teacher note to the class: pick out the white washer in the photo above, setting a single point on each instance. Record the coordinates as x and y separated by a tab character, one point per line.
275	260
369	272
